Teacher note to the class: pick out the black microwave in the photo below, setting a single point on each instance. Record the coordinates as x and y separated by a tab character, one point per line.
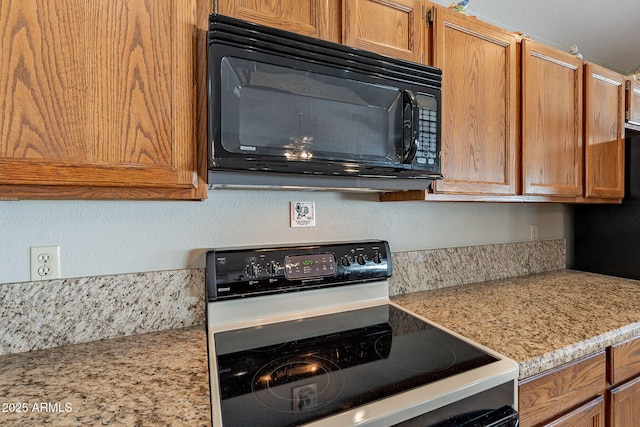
287	110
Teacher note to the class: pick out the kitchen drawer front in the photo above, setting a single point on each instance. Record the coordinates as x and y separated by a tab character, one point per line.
624	361
588	415
549	394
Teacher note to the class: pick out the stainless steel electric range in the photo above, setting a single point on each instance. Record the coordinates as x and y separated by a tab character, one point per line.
307	335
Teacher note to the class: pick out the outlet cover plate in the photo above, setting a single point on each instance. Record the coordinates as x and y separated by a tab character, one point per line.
303	214
45	263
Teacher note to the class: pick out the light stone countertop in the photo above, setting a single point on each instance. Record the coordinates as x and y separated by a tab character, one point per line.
540	321
161	378
155	379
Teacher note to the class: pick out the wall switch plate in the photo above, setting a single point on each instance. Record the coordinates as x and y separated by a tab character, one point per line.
303	214
45	263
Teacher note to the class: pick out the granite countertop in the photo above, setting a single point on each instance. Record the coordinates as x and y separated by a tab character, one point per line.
540	321
161	378
155	379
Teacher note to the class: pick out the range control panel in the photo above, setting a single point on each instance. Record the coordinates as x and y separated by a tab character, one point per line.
245	272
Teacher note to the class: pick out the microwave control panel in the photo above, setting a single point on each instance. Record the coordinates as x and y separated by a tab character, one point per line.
245	272
427	140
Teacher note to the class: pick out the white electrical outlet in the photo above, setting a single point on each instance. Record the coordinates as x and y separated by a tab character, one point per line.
45	262
534	232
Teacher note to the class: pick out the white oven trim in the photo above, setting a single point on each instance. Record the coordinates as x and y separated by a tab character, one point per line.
232	314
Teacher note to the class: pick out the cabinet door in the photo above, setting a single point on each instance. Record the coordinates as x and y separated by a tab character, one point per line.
588	415
624	361
315	18
549	394
389	27
604	132
624	405
633	102
479	145
98	99
551	121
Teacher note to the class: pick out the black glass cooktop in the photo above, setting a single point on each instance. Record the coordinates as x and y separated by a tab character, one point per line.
294	372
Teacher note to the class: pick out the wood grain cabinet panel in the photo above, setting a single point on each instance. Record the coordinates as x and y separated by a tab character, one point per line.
314	18
624	405
551	121
633	102
604	132
479	144
98	99
389	27
545	396
624	361
591	414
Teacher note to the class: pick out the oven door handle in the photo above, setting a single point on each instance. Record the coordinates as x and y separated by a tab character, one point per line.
410	126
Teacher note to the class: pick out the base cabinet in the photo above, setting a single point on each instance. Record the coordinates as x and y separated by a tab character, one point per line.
624	404
589	415
597	390
547	397
623	398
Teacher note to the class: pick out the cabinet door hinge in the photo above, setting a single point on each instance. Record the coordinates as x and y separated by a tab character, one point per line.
429	16
214	6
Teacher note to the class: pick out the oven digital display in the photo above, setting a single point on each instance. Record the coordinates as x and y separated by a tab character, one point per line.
301	267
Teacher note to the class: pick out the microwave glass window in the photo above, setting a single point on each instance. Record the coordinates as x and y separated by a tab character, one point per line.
299	115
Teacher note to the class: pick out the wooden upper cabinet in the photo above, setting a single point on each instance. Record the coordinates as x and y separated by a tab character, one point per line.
479	105
315	18
604	132
633	102
551	121
389	27
98	99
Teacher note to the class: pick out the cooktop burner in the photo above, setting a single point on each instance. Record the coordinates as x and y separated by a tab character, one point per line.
353	358
323	383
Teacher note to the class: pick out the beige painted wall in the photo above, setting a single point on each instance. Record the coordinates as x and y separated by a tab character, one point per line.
112	237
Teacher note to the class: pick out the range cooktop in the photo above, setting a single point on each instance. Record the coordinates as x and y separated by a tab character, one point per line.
293	372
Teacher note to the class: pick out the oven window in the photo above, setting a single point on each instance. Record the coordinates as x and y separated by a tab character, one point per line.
294	372
300	115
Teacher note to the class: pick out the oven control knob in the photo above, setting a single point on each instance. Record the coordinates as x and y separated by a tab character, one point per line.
362	259
377	259
273	268
253	269
345	261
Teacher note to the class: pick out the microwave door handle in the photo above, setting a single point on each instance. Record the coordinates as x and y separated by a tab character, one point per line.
409	126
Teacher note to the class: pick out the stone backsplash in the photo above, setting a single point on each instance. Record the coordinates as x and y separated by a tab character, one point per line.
52	313
46	314
439	268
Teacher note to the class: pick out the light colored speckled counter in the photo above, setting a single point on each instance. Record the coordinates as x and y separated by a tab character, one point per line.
541	321
156	379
